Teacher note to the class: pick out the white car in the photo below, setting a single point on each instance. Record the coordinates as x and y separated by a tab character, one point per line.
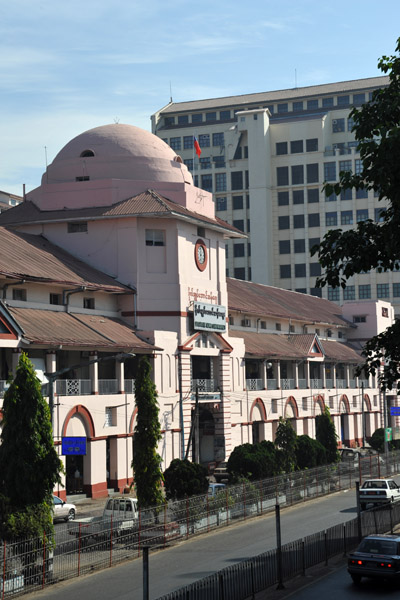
63	510
378	491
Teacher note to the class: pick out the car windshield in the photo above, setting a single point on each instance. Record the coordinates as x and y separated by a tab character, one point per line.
380	485
372	546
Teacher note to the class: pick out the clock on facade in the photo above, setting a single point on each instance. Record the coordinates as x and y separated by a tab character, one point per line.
200	255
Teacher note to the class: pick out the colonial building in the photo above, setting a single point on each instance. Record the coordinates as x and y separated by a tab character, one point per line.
117	254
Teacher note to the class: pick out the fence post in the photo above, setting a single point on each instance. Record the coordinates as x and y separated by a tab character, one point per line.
303	558
261	496
391	517
44	560
139	530
244	501
279	547
253	591
344	540
304	486
227	506
165	524
221	587
187	518
359	528
326	547
146	573
111	539
4	568
79	548
208	515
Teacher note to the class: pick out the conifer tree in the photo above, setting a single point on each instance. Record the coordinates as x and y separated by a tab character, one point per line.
326	435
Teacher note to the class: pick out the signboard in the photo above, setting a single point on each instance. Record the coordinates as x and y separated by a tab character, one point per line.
209	317
396	433
388	434
395	411
73	446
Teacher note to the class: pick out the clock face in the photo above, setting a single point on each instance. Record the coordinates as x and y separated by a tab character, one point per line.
200	255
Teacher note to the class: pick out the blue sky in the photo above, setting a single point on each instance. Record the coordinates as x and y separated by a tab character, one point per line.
68	66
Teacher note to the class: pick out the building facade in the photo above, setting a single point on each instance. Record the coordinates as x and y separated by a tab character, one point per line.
265	157
118	252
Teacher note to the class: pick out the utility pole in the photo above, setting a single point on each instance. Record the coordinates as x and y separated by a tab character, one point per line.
197	429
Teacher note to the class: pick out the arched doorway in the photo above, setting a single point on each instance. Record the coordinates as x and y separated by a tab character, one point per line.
344	425
75	464
258	416
207	434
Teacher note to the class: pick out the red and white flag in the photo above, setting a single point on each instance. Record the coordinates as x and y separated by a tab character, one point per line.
196	146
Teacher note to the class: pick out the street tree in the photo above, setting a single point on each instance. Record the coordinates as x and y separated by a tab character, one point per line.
29	465
146	461
326	435
309	453
184	478
372	244
286	440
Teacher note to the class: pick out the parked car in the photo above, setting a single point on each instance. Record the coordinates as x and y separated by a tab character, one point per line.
378	491
63	510
214	488
376	556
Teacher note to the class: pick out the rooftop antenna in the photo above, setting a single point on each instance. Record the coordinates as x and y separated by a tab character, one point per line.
45	160
116	120
170	92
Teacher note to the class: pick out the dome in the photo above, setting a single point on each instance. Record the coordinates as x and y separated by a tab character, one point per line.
117	151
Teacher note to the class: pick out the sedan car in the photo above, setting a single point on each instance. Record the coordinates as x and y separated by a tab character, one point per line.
63	510
378	556
378	492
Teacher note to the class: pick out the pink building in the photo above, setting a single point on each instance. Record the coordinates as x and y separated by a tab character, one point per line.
117	251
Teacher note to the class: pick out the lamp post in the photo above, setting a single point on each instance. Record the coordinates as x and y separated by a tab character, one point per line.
53	376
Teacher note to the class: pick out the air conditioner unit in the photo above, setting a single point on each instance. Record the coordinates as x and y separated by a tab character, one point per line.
246	323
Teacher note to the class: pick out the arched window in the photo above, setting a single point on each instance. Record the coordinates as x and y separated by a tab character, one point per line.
86	154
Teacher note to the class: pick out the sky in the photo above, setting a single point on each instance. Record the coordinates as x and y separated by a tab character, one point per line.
69	66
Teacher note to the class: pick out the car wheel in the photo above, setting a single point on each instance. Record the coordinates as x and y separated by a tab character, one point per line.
356	579
71	515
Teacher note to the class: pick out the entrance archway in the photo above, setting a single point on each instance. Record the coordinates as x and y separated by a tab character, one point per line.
78	423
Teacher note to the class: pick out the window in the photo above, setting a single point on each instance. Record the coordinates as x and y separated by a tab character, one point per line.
197	118
175	143
297	106
350	124
313	242
346	194
330	171
346	217
297	174
358	98
313	220
333	294
188	142
382	290
282	175
237	180
204	140
77	227
396	290
312	145
239	273
278	327
349	293
283	108
313	195
285	271
298	221
299	246
361	215
283	198
86	154
219	162
330	219
155	237
238	250
385	312
222	203
189	163
206	183
220	182
237	202
205	162
360	194
283	222
344	165
284	247
315	269
19	294
224	115
316	292
55	299
364	291
337	125
183	119
298	196
359	319
239	224
300	270
358	166
327	102
109	418
379	215
311	104
281	148
88	303
312	173
301	290
296	146
211	116
263	324
218	139
343	100
331	198
246	178
169	121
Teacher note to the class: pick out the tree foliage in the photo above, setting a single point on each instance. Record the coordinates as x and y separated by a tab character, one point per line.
29	465
309	453
184	478
146	461
254	461
325	433
286	439
372	245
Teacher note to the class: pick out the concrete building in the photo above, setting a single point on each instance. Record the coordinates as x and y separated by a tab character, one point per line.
265	157
7	200
116	252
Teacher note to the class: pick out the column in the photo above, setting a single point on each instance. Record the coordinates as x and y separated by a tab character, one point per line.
94	373
296	375
347	376
323	369
120	372
278	374
334	375
16	353
307	374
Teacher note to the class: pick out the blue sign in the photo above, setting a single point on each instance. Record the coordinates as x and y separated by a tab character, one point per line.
395	411
73	446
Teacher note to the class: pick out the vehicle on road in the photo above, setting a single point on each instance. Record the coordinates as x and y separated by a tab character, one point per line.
63	510
378	556
378	491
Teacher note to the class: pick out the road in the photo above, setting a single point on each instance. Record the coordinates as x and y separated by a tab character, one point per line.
199	557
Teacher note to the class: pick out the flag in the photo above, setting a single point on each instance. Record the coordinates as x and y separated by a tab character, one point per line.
196	146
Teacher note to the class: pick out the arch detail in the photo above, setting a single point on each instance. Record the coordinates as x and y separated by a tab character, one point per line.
260	405
346	404
292	402
86	416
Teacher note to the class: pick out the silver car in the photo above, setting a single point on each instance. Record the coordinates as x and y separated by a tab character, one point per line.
63	510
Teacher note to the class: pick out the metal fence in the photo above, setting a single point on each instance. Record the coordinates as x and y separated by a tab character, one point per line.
81	547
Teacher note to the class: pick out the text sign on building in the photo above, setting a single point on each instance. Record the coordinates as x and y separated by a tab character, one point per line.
395	411
73	446
209	317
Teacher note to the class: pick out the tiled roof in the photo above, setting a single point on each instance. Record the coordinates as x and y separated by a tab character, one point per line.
278	95
274	345
257	299
34	258
55	328
147	203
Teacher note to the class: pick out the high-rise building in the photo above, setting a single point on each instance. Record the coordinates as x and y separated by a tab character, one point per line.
265	158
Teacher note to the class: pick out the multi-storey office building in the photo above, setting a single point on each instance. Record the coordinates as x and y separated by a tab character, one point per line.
265	157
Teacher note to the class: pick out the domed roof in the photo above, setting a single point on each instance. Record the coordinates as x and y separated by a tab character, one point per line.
117	151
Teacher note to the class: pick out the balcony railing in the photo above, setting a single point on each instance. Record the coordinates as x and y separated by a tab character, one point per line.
254	384
204	385
271	384
287	384
83	387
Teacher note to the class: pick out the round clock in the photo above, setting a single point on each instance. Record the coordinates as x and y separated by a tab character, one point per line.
200	255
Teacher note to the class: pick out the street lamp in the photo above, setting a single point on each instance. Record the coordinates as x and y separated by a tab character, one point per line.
52	377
